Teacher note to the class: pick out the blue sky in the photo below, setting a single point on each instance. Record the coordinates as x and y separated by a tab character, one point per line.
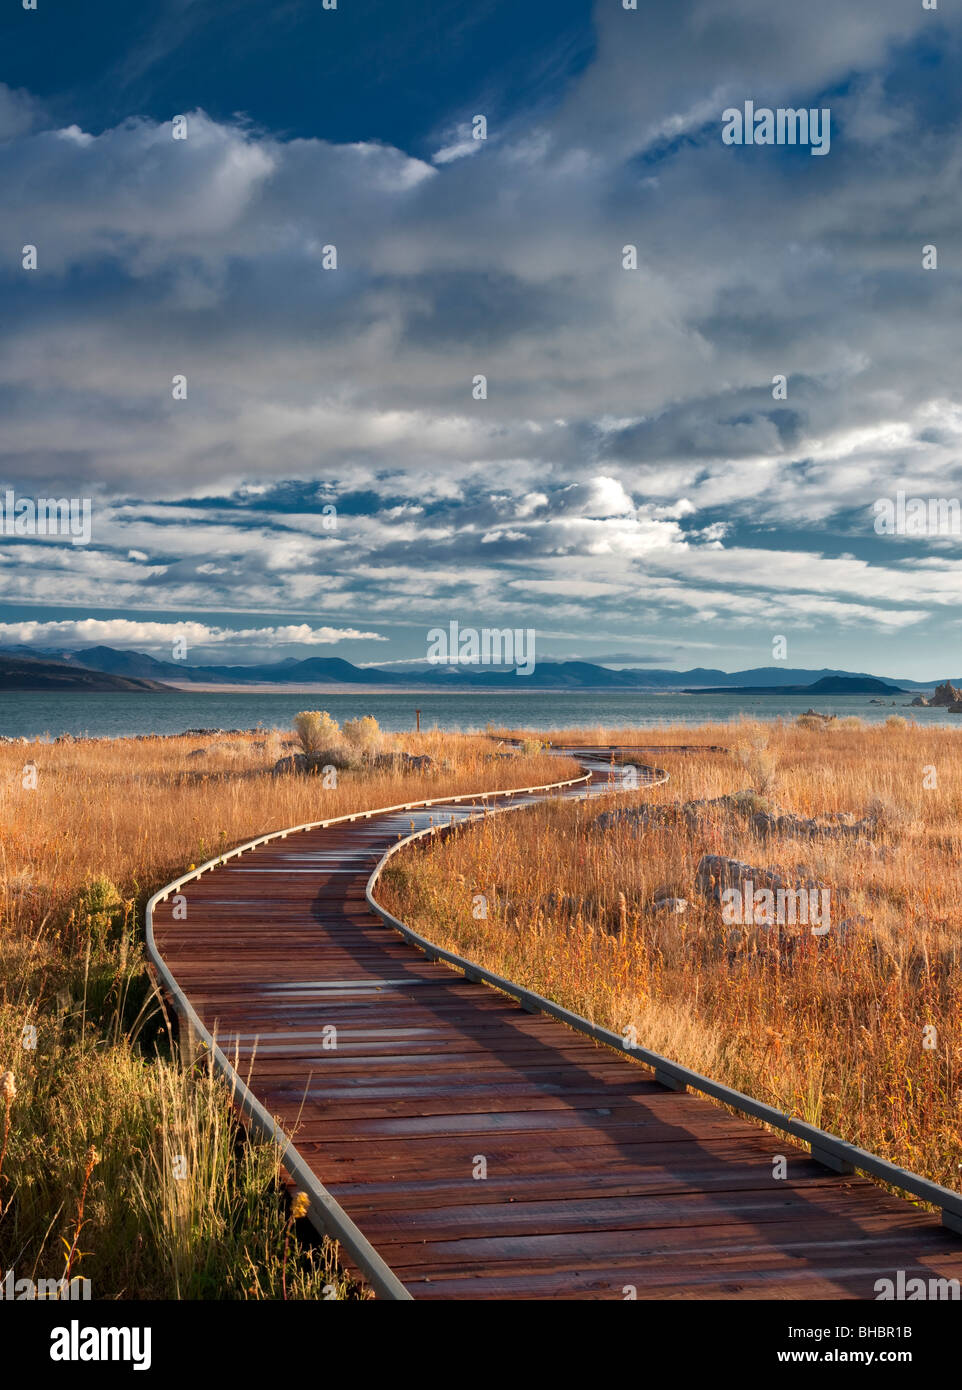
630	484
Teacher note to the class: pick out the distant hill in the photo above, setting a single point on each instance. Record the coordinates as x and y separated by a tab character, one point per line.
547	675
313	670
35	673
828	685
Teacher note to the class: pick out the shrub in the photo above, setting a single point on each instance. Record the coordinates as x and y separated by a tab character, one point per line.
316	731
99	902
364	734
886	813
760	765
342	756
97	905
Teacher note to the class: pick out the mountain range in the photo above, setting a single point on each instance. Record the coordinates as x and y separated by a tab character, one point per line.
137	670
19	672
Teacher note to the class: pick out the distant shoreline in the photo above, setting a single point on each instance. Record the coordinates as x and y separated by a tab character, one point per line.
427	691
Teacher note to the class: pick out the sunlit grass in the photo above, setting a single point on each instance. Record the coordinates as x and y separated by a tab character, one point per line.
178	1202
833	1033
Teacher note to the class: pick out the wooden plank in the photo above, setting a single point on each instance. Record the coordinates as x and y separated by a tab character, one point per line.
598	1177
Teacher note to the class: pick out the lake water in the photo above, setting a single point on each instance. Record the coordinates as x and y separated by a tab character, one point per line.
37	715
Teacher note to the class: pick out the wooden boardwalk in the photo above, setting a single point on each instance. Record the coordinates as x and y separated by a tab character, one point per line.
489	1152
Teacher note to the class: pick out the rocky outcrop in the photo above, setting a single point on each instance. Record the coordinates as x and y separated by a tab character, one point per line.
294	762
298	763
765	822
921	701
772	923
341	758
689	813
715	874
946	694
207	733
405	762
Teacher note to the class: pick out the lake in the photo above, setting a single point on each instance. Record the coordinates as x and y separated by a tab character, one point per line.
38	715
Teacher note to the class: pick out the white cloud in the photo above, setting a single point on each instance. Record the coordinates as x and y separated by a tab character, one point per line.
623	407
123	632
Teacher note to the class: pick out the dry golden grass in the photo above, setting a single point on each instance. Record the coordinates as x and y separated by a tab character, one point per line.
830	1032
108	823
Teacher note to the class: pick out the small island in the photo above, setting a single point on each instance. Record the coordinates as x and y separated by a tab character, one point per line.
828	685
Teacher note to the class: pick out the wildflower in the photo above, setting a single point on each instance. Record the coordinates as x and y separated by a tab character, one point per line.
8	1087
298	1209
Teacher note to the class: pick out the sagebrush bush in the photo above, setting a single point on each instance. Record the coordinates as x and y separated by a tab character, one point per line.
364	733
761	765
316	731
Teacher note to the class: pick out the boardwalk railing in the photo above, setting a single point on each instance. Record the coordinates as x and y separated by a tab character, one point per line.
327	1214
828	1149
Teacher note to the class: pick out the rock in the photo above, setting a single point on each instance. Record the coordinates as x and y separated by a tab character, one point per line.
420	762
637	818
634	818
766	824
294	762
197	753
404	762
715	874
956	708
946	694
392	762
675	906
920	700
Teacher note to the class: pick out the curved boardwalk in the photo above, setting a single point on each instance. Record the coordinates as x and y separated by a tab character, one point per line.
598	1180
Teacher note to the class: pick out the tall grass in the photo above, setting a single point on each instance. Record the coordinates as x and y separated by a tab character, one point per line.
178	1202
860	1034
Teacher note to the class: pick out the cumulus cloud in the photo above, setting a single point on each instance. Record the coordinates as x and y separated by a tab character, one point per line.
629	442
123	632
